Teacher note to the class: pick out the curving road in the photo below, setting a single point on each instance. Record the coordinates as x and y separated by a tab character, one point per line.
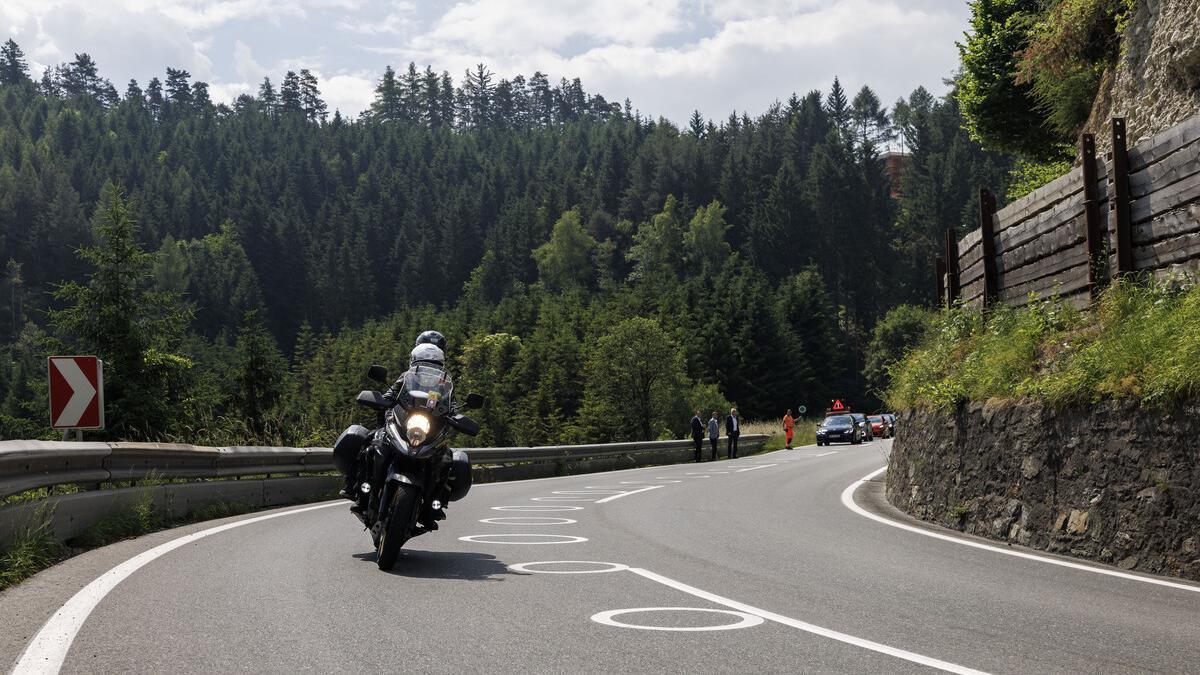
749	565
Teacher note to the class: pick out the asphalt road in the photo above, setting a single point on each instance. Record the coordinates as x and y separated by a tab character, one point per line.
750	565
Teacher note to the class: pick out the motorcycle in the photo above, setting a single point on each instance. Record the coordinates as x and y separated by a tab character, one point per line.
404	471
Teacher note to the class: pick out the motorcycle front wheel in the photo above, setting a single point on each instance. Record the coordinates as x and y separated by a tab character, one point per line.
395	533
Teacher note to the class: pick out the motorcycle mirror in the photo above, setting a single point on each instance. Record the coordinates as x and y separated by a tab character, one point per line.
377	373
475	400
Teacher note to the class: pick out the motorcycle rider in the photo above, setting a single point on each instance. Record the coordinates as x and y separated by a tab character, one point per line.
428	350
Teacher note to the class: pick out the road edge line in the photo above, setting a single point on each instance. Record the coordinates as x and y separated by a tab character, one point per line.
47	650
848	502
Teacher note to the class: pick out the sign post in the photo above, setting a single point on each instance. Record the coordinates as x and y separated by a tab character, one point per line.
76	393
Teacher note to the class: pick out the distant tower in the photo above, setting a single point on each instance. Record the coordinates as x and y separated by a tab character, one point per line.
893	164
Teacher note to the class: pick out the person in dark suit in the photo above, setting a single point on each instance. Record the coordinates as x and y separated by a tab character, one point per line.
698	435
733	429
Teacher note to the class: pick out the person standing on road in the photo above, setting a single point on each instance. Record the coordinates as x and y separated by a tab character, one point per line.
698	435
714	432
789	426
733	429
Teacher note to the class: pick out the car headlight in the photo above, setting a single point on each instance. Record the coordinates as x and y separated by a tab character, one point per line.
417	428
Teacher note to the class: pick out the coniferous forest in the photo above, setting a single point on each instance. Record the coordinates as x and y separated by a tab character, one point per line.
599	274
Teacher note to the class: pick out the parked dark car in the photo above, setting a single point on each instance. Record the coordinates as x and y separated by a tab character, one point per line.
881	426
891	421
838	429
864	426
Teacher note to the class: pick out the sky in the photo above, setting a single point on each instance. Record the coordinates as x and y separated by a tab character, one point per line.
669	57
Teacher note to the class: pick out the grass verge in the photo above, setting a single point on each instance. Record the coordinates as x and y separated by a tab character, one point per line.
1141	341
35	548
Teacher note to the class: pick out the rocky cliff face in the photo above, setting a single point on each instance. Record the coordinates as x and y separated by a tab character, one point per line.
1115	482
1156	84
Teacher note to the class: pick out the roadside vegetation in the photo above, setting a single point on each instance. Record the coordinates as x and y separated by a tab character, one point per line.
1141	341
35	548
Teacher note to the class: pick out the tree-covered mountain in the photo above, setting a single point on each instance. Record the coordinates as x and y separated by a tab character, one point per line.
540	227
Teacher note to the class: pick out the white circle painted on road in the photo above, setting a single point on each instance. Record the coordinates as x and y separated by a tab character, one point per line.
528	520
538	508
560	499
544	539
746	620
527	567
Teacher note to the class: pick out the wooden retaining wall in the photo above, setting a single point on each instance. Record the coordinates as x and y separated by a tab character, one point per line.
1134	210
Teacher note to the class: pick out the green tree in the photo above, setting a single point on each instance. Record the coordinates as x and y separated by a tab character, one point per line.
487	365
896	333
704	240
635	387
565	261
260	373
134	329
1001	112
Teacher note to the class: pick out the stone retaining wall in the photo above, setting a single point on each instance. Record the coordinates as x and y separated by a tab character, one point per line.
1114	482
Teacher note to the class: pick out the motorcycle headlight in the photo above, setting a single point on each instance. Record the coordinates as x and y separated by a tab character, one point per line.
417	428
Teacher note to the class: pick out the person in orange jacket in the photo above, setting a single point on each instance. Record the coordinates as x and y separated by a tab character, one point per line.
789	426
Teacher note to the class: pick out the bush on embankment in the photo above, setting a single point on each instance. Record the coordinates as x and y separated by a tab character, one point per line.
1141	342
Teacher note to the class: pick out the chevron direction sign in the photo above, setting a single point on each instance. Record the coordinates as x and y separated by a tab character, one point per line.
76	392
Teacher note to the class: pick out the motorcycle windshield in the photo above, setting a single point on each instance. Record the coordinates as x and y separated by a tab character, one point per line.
427	386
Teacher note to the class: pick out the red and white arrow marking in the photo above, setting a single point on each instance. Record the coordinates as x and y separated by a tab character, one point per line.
83	394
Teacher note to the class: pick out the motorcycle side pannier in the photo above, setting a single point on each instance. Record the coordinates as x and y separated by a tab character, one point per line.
460	476
348	445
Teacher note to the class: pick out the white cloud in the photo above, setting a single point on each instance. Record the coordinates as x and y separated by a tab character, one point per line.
398	21
245	65
515	25
668	56
349	93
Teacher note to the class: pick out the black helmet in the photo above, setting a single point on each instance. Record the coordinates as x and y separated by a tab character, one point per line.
432	337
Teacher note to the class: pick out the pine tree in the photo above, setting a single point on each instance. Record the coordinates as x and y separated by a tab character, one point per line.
837	106
267	98
179	91
14	69
388	103
260	373
311	104
134	329
289	94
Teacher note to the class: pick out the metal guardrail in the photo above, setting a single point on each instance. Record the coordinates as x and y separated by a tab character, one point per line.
28	465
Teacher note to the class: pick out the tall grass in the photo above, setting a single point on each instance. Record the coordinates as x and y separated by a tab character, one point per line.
30	551
1141	341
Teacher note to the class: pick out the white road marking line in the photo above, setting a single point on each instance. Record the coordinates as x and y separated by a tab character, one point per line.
808	627
549	539
848	502
752	468
527	567
697	473
48	649
538	508
824	454
626	494
527	519
586	492
744	620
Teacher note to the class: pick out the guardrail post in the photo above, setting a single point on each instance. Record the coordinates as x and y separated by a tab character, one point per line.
987	245
952	289
1095	236
1118	196
939	269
